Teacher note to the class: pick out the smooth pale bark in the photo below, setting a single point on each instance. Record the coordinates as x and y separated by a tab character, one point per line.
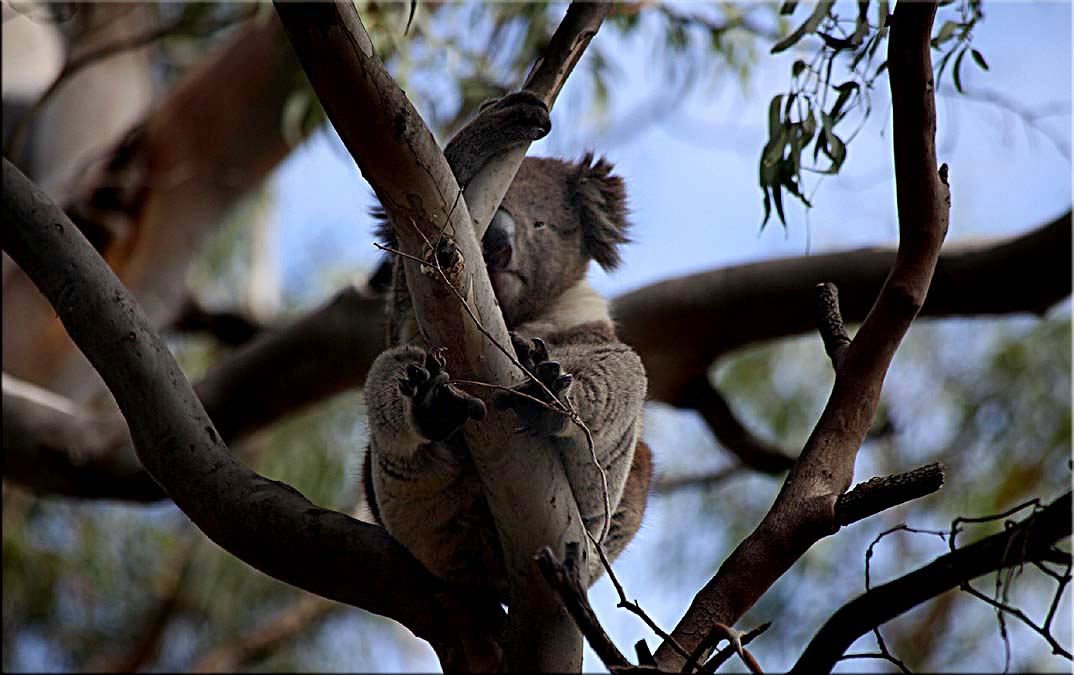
455	309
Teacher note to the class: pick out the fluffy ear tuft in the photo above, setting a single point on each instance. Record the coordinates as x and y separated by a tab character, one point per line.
382	227
600	199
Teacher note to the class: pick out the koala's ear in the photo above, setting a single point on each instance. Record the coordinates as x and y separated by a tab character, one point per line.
382	227
599	197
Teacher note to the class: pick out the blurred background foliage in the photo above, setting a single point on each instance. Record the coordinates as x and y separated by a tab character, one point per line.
107	586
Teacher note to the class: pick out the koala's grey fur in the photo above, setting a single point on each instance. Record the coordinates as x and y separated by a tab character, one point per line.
559	216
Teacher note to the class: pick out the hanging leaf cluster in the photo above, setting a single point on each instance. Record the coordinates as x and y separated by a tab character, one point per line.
813	108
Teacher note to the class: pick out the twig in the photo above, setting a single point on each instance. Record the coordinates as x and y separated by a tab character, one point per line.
634	607
830	323
878	494
1030	539
721	656
1003	608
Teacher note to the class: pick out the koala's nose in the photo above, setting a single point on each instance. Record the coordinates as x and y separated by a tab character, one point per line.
498	243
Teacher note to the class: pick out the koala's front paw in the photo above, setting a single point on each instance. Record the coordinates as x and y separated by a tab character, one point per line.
535	414
439	409
521	113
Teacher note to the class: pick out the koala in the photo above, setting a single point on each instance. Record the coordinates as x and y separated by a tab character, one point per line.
420	481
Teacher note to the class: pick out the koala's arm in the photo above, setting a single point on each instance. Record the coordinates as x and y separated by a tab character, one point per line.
410	402
391	420
516	118
607	392
604	381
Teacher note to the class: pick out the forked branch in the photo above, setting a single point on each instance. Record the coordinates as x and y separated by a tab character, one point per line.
399	157
805	509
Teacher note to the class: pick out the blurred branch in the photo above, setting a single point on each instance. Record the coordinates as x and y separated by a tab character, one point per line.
269	636
136	656
230	328
752	451
671	483
151	200
670	323
53	447
56	448
76	64
1028	541
805	508
267	524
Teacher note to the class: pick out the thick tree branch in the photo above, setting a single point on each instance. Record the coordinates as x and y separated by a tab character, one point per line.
456	310
669	322
267	524
1028	541
804	509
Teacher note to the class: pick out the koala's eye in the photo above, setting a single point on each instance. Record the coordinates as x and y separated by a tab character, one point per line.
538	224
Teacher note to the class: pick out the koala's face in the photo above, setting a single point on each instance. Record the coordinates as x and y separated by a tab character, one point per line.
555	218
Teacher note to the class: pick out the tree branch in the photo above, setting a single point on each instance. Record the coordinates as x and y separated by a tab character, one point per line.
1029	540
265	523
804	510
56	448
752	451
667	322
399	157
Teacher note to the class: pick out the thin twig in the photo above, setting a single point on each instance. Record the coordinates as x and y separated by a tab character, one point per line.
721	656
634	607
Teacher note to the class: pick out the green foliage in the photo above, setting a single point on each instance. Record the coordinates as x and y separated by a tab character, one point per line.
792	127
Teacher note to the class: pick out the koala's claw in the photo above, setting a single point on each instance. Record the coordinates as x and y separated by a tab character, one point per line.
530	353
439	409
524	113
538	417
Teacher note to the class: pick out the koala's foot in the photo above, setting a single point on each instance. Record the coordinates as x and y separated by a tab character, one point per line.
521	115
537	417
439	409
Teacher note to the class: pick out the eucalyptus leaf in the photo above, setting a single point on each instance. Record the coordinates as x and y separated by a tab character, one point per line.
773	116
979	59
810	26
957	72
